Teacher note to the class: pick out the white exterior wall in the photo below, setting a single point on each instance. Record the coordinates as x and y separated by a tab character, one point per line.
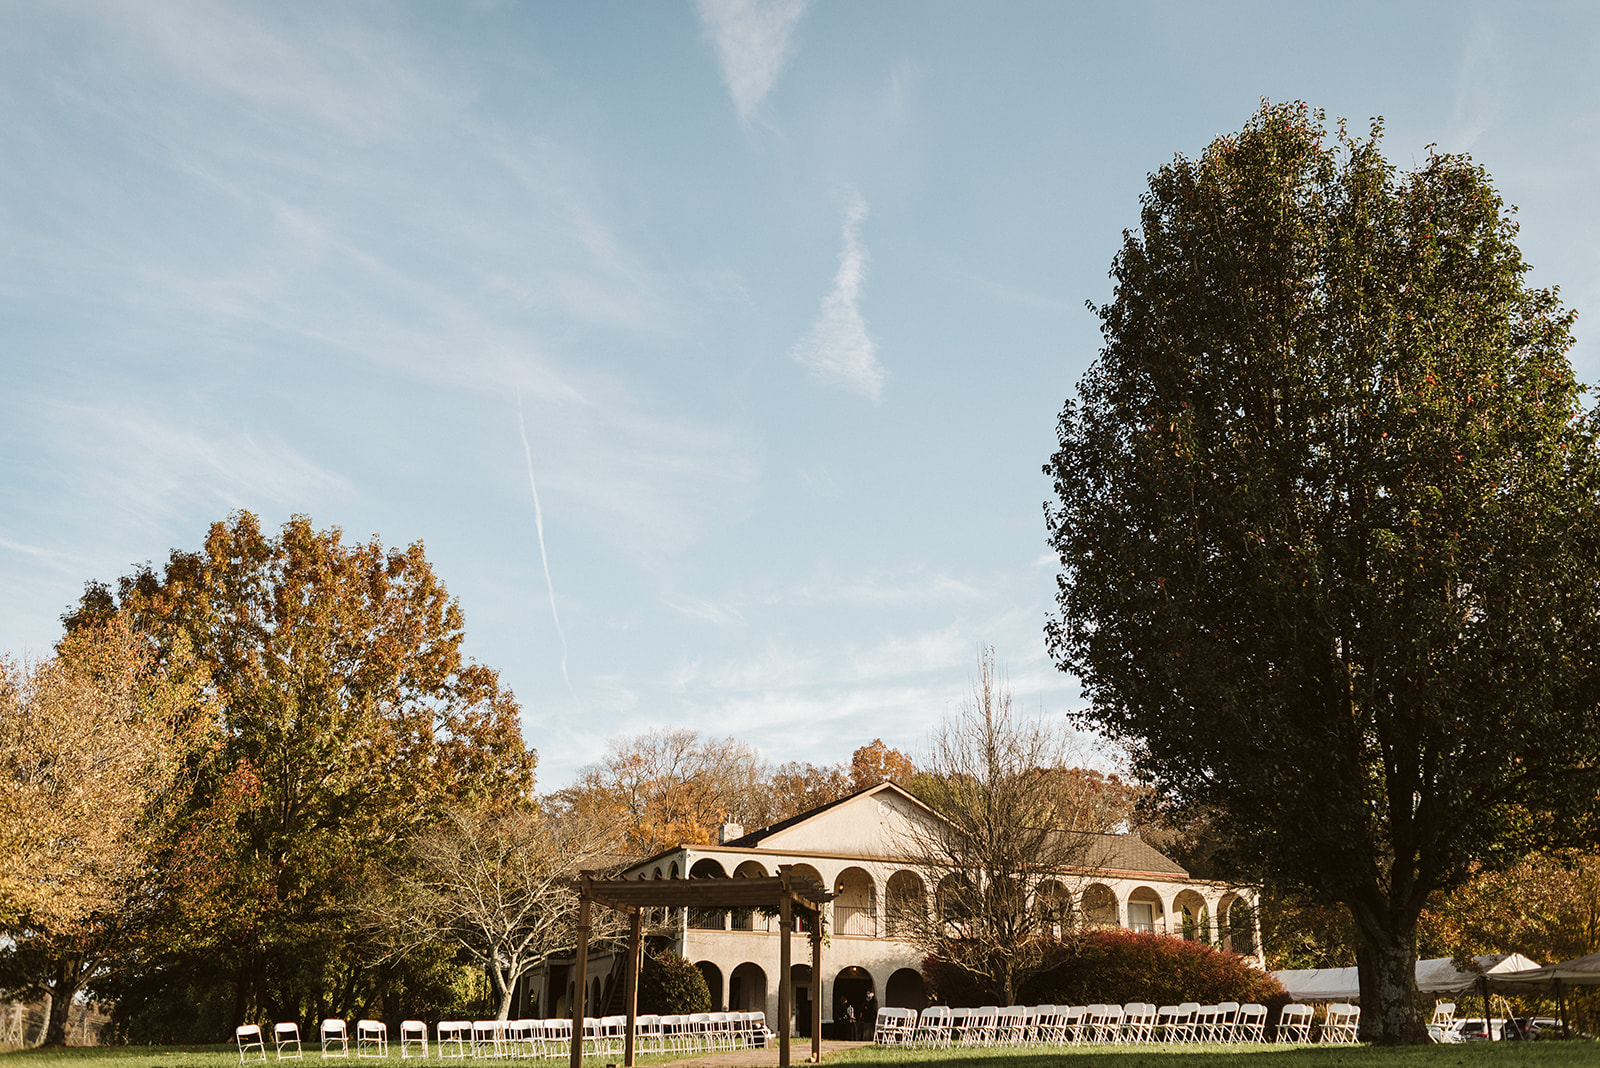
867	832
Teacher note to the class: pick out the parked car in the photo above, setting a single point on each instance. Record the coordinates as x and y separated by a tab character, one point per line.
1471	1029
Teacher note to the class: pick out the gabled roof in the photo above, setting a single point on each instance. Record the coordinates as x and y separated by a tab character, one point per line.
754	838
1121	853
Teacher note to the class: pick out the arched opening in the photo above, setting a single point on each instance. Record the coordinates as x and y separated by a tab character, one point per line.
1099	905
593	1008
713	977
1053	905
805	871
855	910
850	989
747	988
955	899
800	1000
1194	919
904	990
1145	912
744	918
673	874
708	919
1236	923
905	907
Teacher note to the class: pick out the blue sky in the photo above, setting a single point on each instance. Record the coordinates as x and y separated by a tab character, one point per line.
774	304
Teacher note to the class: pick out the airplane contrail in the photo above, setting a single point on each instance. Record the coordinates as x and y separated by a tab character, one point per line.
544	557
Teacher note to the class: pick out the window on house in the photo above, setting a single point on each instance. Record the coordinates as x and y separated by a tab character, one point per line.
1142	916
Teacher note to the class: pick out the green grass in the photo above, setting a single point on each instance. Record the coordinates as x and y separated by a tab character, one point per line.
227	1056
1466	1055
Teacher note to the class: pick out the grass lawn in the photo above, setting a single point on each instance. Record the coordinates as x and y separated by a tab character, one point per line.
227	1056
1468	1055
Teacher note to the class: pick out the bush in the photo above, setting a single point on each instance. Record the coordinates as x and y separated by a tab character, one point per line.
1117	967
670	985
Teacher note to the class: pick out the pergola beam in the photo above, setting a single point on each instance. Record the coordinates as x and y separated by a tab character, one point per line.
783	893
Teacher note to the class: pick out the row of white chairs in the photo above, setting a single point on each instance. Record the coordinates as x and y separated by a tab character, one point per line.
372	1040
701	1031
940	1026
463	1039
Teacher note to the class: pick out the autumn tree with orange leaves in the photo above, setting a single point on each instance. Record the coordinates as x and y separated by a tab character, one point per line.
347	722
92	744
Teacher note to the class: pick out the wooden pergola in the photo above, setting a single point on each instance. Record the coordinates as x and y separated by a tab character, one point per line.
784	893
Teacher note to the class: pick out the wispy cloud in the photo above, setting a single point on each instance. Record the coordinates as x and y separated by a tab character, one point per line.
838	349
150	468
754	40
707	611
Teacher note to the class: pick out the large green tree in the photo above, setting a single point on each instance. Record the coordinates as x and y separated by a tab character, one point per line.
348	721
1325	507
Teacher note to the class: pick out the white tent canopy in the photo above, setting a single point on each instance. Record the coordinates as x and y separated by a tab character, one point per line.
1584	971
1435	976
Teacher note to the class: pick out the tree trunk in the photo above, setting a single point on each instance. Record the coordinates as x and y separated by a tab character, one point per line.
1391	1011
504	989
63	989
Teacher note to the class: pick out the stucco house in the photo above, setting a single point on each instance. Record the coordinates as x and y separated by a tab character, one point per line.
859	846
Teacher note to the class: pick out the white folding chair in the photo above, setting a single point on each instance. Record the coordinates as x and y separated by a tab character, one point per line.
1294	1023
1044	1028
647	1032
413	1033
980	1026
1252	1025
335	1039
1188	1023
1010	1026
248	1036
1138	1021
762	1035
557	1037
1108	1029
934	1027
1342	1023
454	1038
1222	1026
372	1038
286	1037
1069	1022
486	1038
519	1038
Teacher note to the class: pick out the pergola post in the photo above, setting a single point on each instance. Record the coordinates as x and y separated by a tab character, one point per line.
816	988
784	894
631	977
785	980
580	967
